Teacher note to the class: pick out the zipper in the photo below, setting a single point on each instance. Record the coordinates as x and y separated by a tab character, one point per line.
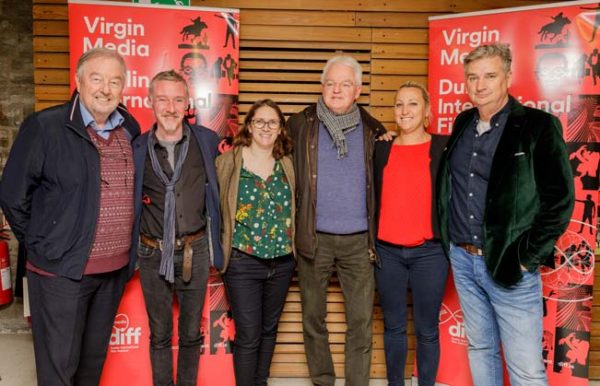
313	203
210	242
99	185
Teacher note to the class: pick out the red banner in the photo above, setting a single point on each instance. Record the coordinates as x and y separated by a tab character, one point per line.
202	44
128	359
556	68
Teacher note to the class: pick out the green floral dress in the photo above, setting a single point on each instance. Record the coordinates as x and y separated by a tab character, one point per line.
263	219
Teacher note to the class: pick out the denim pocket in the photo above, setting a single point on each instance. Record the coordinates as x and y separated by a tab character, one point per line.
144	251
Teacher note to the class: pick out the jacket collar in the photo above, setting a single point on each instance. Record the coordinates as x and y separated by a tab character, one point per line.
75	121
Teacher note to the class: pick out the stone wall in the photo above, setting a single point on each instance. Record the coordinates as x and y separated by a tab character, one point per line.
16	76
16	92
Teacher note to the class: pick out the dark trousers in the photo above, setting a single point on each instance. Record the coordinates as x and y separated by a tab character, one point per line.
71	322
425	270
257	289
349	256
158	295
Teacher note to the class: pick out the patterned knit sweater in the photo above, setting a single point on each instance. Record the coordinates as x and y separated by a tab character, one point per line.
112	241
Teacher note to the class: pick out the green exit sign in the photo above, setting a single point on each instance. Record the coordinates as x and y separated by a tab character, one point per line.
168	2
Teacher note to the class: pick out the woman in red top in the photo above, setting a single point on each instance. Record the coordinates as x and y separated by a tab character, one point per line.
410	254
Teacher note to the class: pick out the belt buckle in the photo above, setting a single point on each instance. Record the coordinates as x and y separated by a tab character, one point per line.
474	250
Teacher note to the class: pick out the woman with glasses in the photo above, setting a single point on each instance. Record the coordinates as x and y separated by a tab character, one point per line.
256	182
408	246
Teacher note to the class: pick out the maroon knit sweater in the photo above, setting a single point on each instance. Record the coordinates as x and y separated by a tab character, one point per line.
112	241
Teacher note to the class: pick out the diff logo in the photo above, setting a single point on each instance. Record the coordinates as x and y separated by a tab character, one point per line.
452	321
123	335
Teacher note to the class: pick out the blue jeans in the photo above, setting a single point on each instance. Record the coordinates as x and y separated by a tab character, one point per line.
256	289
495	316
425	269
158	295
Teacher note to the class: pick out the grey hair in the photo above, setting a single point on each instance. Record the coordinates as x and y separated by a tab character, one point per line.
500	50
172	76
99	52
346	61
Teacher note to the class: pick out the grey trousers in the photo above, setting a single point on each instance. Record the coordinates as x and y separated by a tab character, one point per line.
348	255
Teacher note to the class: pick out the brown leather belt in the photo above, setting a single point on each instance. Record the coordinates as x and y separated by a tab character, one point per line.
182	243
471	249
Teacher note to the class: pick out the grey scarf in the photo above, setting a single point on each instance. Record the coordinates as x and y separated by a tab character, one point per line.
168	248
338	125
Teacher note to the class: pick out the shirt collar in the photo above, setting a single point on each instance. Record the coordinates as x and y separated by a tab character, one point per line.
115	119
498	119
503	111
184	137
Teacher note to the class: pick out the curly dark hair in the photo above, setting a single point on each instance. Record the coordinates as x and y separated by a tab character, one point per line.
283	144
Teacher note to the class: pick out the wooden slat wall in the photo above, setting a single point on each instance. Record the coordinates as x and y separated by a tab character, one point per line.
283	47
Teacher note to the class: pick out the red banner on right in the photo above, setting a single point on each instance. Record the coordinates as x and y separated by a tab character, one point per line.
556	68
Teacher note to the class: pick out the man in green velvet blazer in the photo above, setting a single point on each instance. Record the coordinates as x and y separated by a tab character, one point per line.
505	194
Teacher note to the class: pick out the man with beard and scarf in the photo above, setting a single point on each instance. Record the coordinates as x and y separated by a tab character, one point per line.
333	153
178	223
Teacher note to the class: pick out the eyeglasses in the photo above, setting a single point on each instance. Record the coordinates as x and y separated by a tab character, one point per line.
273	124
345	85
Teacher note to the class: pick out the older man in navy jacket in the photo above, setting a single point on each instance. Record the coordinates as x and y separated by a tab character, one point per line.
67	191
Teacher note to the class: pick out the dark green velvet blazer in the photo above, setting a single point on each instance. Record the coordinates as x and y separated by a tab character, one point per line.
530	196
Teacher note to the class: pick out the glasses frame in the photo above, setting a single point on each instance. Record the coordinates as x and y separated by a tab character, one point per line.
262	124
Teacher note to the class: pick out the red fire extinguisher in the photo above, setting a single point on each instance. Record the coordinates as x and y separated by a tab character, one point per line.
6	292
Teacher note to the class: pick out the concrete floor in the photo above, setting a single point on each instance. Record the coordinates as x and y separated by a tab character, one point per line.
17	366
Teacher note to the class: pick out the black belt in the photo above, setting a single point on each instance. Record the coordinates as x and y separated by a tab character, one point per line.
342	234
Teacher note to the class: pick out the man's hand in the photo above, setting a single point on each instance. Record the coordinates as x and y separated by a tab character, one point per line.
388	136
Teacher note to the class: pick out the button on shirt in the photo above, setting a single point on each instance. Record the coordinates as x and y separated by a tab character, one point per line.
189	191
470	166
263	219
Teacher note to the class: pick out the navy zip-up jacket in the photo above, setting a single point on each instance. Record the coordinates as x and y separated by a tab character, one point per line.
50	188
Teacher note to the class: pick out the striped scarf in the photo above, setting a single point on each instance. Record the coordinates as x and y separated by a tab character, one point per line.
338	125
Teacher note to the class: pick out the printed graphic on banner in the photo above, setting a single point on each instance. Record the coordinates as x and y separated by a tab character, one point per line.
452	331
202	44
222	330
128	359
556	68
